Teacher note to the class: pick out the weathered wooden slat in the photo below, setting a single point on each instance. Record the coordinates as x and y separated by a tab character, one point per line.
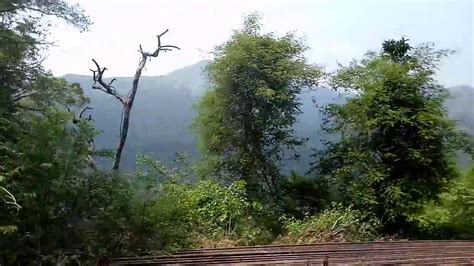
394	252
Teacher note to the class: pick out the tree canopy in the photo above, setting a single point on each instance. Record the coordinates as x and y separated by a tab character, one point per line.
397	145
245	120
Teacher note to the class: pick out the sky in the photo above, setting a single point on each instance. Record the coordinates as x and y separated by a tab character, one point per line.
336	31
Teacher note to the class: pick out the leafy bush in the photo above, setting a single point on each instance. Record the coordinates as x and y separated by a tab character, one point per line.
336	224
200	214
225	213
304	195
114	218
206	214
453	216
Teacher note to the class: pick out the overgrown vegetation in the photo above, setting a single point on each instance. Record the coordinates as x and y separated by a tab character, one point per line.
389	168
336	223
453	216
397	146
245	121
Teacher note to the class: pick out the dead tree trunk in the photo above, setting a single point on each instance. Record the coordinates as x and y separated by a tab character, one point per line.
126	101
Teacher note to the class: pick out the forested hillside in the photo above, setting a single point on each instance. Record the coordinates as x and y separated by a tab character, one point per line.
161	120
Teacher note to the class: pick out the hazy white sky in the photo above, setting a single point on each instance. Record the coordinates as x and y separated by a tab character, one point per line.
335	30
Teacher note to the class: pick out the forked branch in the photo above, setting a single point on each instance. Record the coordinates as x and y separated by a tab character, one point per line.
164	48
127	101
100	84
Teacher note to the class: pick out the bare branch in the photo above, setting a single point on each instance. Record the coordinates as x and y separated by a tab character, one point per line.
112	81
170	46
90	141
83	110
22	95
97	77
163	33
164	48
127	101
93	74
12	200
99	88
33	109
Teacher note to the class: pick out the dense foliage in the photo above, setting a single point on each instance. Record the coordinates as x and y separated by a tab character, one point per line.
245	121
453	217
389	166
333	224
397	146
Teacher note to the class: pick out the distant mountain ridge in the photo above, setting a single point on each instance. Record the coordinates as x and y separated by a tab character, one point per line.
161	118
161	115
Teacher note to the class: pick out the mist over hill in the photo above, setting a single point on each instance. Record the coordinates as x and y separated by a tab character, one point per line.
162	114
160	123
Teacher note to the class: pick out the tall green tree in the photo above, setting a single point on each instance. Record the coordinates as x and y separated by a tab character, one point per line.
25	86
245	120
44	148
397	145
24	31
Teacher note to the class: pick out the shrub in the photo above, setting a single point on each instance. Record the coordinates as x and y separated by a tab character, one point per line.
453	216
336	224
304	195
206	214
199	214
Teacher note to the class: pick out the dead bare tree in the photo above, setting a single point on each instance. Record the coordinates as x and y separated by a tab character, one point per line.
126	101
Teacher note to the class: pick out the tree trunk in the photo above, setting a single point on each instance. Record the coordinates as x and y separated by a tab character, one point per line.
127	109
127	102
